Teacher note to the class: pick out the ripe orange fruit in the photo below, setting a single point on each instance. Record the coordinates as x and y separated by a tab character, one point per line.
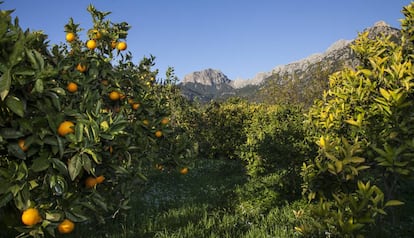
91	44
31	217
100	179
81	68
121	46
90	182
130	101
21	144
65	128
72	87
114	96
184	170
165	121
66	226
158	134
135	106
70	37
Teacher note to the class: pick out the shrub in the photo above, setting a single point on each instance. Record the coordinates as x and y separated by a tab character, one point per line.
363	127
87	169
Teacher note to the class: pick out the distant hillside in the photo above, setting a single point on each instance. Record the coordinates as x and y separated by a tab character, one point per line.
300	80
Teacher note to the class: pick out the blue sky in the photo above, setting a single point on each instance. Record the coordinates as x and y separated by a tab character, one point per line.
238	37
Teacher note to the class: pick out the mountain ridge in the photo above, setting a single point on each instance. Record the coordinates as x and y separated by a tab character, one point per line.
212	84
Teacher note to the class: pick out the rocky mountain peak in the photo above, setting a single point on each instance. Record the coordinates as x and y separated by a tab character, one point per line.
381	24
209	77
212	84
382	28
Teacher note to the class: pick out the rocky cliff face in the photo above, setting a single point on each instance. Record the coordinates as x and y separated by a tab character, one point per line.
208	77
206	85
213	84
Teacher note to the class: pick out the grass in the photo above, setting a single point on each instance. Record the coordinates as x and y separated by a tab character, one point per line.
175	205
199	204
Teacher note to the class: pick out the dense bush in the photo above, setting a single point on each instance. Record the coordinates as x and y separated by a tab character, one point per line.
364	128
218	127
79	122
273	152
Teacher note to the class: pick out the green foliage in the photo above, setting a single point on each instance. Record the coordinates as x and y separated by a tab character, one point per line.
364	130
217	127
42	168
300	88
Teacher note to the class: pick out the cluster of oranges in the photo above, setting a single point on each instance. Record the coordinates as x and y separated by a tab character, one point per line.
93	42
99	40
31	217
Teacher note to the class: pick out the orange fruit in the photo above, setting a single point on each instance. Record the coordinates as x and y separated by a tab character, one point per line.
70	37
96	35
113	44
22	145
184	170
90	182
165	121
65	128
121	46
130	101
100	179
91	44
81	68
114	96
66	226
145	122
158	134
31	217
72	87
122	96
135	106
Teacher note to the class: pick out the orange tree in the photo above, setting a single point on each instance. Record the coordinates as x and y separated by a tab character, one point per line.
77	121
364	129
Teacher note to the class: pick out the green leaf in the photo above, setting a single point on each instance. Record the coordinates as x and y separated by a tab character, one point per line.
59	91
79	131
5	84
75	166
10	133
14	149
15	105
352	122
38	87
40	164
93	155
87	163
5	199
394	203
60	166
76	215
355	160
385	94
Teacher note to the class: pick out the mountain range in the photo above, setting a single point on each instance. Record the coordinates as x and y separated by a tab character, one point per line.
212	84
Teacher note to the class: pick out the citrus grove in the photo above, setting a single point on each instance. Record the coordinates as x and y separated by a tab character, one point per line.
83	130
73	141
